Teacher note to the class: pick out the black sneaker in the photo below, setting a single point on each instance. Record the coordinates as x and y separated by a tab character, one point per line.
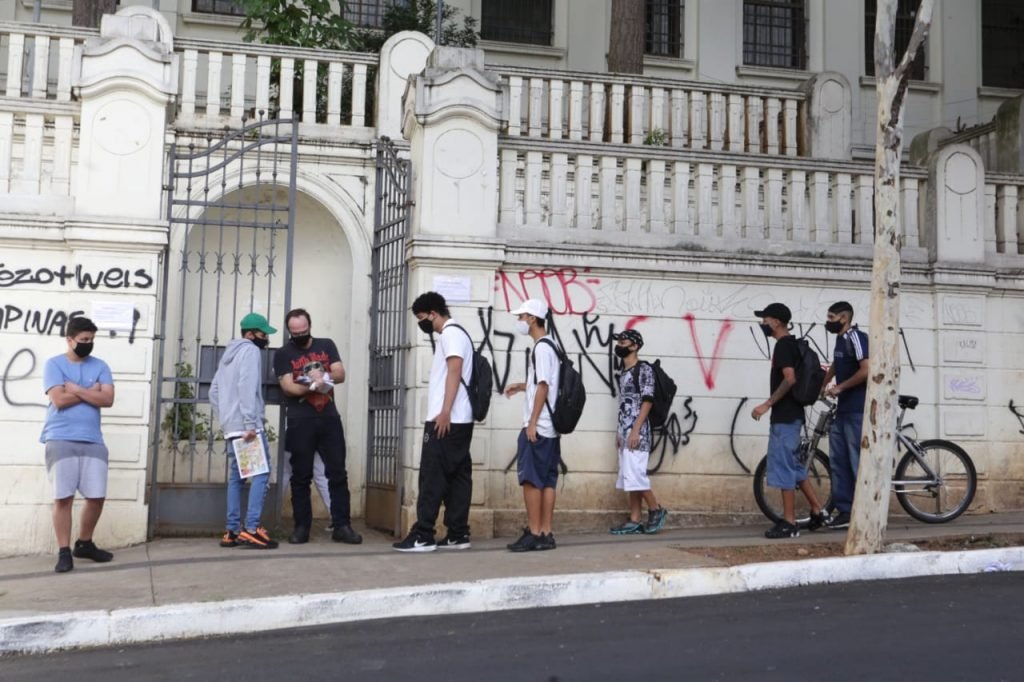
525	531
817	521
299	536
839	521
782	529
450	542
347	535
64	561
87	549
546	541
526	543
413	542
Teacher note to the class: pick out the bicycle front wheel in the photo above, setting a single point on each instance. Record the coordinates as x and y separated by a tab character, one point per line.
938	484
769	501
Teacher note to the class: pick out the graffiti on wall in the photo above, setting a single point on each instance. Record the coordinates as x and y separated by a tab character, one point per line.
43	321
19	367
78	277
1018	413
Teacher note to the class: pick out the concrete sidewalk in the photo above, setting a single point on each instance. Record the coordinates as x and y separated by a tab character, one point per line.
188	580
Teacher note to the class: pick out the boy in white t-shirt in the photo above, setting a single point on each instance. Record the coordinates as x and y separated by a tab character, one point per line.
539	450
446	467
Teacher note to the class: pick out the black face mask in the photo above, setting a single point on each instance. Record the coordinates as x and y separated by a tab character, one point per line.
834	327
426	325
766	329
261	343
622	351
82	350
301	340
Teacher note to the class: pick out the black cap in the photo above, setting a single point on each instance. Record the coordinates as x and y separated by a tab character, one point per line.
777	310
631	335
841	307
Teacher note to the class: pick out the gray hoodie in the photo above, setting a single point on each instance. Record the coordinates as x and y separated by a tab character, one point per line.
236	393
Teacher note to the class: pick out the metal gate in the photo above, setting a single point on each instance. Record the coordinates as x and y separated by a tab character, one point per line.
231	208
388	342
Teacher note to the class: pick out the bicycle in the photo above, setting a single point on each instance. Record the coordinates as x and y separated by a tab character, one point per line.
934	481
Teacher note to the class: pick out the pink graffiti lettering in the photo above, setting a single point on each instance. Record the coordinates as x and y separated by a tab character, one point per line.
564	289
709	369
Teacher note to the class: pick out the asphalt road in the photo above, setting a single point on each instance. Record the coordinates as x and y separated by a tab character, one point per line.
947	628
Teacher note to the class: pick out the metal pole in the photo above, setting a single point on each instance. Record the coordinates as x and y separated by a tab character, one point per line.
439	23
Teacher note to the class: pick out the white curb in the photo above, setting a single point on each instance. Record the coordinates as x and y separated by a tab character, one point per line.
36	634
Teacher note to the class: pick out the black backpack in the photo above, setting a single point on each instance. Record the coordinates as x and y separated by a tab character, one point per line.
664	393
809	375
572	395
481	381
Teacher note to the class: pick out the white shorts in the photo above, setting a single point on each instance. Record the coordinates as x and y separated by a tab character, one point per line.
633	470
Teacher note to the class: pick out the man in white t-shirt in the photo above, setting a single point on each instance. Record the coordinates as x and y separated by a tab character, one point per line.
539	450
446	468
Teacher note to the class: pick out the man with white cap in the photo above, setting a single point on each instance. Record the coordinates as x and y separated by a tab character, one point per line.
539	451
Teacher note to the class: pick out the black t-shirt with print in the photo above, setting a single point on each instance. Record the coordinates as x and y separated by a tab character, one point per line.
299	362
786	354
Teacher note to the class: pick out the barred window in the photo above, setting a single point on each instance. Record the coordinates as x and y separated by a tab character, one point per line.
1002	43
228	7
369	13
517	21
663	28
775	33
906	13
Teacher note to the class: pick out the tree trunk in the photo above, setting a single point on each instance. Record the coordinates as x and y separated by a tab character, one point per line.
878	442
626	43
88	13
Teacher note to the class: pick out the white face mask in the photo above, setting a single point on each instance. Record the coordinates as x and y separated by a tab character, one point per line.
522	327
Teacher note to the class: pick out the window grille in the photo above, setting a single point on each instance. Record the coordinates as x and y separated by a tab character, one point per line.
228	7
775	33
517	21
663	28
1002	43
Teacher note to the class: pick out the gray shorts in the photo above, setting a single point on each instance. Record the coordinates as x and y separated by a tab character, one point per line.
73	465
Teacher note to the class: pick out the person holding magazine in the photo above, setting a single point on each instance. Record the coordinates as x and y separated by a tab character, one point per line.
236	397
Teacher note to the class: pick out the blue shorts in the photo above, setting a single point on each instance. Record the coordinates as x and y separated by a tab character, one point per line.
784	468
537	463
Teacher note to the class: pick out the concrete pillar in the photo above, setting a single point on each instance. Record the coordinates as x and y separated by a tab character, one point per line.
403	55
452	113
954	219
125	79
829	116
1009	120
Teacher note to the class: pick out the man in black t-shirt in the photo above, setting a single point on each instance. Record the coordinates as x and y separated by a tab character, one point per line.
784	469
307	370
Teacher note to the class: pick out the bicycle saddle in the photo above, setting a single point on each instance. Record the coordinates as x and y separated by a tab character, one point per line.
908	402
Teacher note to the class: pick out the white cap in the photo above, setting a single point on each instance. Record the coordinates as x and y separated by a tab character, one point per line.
532	306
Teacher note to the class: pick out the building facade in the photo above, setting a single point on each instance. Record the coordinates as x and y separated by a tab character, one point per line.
166	178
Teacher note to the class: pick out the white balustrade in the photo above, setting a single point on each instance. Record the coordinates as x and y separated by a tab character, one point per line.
1006	222
36	60
223	83
567	190
643	110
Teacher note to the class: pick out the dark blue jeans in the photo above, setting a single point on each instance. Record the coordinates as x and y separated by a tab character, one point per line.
844	457
306	437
